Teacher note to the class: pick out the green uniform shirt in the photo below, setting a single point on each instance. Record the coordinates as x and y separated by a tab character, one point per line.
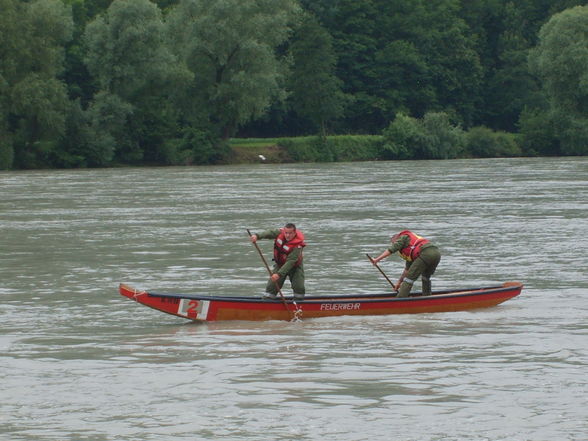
402	242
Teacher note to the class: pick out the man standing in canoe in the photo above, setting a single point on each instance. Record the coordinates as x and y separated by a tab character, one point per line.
422	258
288	260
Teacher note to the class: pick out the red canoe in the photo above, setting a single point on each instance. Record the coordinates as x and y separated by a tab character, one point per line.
211	308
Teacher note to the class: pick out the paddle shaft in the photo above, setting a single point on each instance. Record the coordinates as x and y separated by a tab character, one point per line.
270	274
384	274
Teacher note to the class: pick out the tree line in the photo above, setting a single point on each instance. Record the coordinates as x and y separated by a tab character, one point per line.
91	83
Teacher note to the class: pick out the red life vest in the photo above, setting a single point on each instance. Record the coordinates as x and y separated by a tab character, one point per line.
282	248
413	250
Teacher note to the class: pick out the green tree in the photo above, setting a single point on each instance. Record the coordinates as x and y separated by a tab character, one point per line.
405	56
538	131
79	81
33	100
316	91
126	52
8	52
108	117
73	145
136	74
41	105
560	60
231	48
354	29
454	72
503	32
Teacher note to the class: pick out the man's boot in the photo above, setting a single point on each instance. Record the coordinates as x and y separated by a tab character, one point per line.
426	286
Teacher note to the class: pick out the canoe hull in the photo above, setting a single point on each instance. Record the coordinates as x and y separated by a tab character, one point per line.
210	308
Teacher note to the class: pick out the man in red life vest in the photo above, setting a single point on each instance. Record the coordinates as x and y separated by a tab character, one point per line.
422	258
288	245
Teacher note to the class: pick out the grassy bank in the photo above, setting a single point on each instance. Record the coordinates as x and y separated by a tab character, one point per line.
306	149
407	139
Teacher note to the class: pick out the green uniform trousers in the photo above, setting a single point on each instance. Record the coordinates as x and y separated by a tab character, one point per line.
296	276
423	266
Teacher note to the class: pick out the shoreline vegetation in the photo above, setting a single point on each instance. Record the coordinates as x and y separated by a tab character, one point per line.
109	83
336	148
450	143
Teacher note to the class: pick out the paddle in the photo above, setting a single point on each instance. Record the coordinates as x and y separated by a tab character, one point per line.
380	269
294	315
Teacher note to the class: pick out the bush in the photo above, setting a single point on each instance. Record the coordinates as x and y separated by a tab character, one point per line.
333	148
538	133
433	137
355	147
197	146
573	136
308	149
482	142
401	137
552	133
443	140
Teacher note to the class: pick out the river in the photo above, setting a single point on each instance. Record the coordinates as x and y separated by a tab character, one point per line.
80	362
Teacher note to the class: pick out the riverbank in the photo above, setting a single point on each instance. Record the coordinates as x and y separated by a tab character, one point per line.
306	149
252	151
397	144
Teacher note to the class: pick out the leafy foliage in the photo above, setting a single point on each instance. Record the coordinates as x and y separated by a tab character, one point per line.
401	136
108	116
482	142
87	83
230	47
34	100
316	91
433	137
196	146
561	62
